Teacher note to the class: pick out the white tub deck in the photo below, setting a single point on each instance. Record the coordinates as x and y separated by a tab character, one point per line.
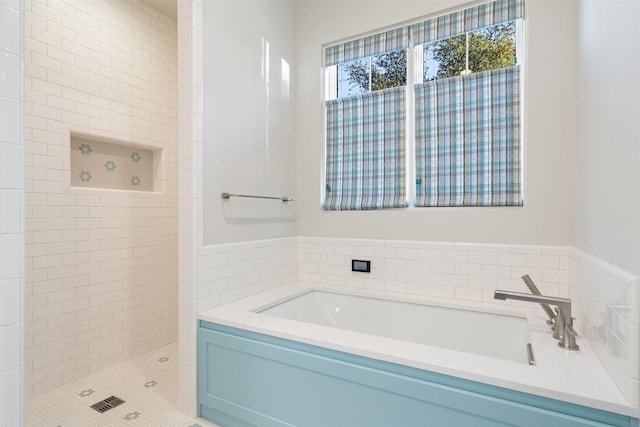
576	377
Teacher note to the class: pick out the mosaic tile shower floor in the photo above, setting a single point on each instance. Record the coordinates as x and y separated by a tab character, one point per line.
148	384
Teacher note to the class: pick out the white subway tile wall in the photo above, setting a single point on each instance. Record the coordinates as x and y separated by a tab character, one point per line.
233	271
469	271
101	279
190	220
12	366
608	312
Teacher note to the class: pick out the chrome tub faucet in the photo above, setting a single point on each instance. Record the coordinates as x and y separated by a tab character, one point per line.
563	329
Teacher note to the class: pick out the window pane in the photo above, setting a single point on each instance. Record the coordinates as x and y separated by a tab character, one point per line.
444	58
492	47
353	78
373	73
389	70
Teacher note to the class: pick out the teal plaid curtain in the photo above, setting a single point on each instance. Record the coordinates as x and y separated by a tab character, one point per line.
466	20
367	46
467	140
365	167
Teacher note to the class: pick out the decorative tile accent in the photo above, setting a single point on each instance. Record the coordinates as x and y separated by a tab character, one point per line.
105	164
85	176
85	393
149	384
131	416
85	149
163	359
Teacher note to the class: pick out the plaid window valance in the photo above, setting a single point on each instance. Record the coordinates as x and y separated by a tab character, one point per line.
365	165
467	140
367	46
452	24
471	19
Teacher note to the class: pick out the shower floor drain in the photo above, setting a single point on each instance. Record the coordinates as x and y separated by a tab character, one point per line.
108	403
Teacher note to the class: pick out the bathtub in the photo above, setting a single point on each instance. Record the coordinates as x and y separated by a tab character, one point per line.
493	333
417	357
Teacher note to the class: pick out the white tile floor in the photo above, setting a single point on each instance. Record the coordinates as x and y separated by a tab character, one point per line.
148	384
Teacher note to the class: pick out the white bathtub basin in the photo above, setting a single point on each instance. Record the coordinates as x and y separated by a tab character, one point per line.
487	333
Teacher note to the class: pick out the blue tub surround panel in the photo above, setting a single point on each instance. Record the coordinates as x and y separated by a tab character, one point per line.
250	379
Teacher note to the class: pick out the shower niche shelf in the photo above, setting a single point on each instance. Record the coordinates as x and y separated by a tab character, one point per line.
106	164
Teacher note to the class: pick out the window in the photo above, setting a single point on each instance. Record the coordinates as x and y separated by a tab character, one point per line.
370	74
457	89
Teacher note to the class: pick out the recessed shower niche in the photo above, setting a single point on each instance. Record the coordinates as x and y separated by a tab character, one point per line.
108	164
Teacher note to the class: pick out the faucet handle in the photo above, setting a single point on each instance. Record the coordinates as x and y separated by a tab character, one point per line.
573	331
554	325
551	321
568	341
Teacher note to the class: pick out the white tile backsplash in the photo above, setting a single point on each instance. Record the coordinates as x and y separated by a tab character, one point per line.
455	270
607	301
231	271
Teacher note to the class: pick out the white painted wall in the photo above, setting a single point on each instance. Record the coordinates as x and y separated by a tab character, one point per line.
212	273
549	135
12	363
101	265
249	119
235	136
608	148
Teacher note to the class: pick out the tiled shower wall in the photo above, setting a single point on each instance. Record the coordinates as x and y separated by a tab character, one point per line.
11	215
101	279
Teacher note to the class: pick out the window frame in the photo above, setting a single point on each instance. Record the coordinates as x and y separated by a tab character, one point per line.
415	63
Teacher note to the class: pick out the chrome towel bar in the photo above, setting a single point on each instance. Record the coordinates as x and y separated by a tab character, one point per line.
283	199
